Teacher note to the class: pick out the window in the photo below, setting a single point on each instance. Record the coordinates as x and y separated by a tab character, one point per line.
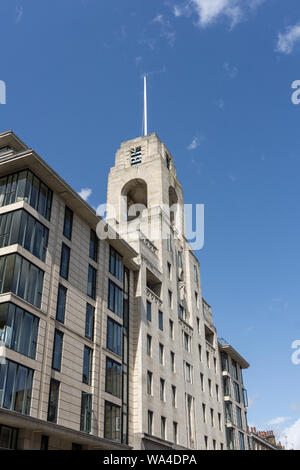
68	223
196	299
204	412
207	359
245	398
115	263
115	299
92	276
61	303
86	412
212	417
172	356
220	421
242	441
170	299
171	326
230	438
114	335
188	372
160	320
21	277
87	365
239	417
169	243
209	387
149	316
235	370
168	161
226	386
169	270
149	345
175	432
64	261
161	351
53	401
196	274
76	446
113	378
57	350
228	412
217	392
149	382
215	365
136	156
89	322
163	427
25	186
206	442
202	381
150	422
181	312
174	396
186	341
200	352
44	442
15	387
224	362
20	331
20	227
93	246
237	392
198	325
112	425
8	438
190	419
162	389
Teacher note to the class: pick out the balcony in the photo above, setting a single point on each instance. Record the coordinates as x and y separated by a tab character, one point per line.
207	313
153	297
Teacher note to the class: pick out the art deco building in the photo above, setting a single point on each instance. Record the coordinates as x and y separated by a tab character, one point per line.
106	344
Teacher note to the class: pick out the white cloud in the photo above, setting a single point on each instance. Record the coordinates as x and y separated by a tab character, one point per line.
231	70
290	436
279	420
287	41
196	142
210	11
166	30
85	193
19	11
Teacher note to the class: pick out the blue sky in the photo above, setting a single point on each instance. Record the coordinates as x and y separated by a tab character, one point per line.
220	75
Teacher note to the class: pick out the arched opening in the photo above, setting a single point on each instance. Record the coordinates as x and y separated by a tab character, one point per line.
134	199
173	201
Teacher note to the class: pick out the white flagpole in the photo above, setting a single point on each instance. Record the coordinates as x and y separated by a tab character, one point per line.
145	107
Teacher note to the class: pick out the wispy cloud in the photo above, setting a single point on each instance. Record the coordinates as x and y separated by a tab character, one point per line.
19	13
85	193
290	436
166	30
211	11
197	140
279	420
230	70
220	103
286	41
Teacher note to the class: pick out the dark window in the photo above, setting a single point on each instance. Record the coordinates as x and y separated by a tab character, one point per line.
136	156
160	320
87	365
92	276
242	441
235	370
150	422
239	417
115	263
89	321
112	426
175	432
53	401
149	316
113	383
15	387
68	223
224	362
21	277
93	245
76	446
20	227
44	442
163	427
8	438
25	186
65	261
57	350
114	336
86	412
20	331
61	303
115	299
237	392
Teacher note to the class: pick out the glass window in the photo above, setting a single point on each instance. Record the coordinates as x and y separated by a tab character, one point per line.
15	387
114	336
230	438
175	432
93	245
149	382
57	350
20	330
237	392
161	353
92	277
163	427
89	321
235	370
149	315
115	299
242	441
228	412
8	438
150	422
65	261
224	362
171	324
162	389
53	401
195	274
68	223
113	382
172	355
115	263
239	420
112	425
160	320
86	412
149	345
87	365
61	303
174	393
188	372
44	442
245	397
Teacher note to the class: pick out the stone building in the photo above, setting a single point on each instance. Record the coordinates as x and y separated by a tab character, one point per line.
264	440
108	343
